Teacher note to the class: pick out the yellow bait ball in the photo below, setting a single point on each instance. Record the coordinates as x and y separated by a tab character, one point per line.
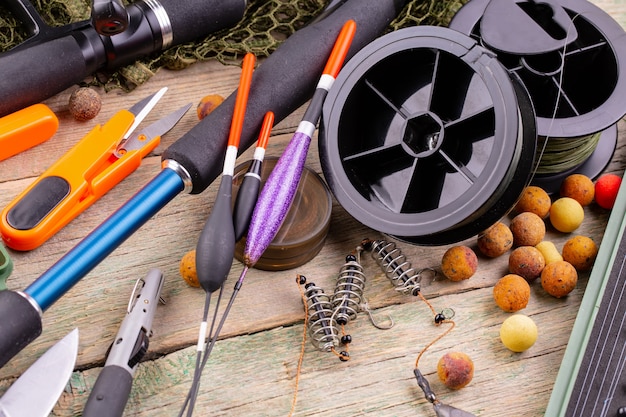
518	333
566	214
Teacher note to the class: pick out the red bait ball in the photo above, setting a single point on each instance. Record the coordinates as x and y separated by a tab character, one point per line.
606	189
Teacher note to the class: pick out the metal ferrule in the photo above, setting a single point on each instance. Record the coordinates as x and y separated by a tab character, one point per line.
32	302
164	21
181	172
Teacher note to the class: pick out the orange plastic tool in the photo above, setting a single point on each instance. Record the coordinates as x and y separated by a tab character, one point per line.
26	128
90	169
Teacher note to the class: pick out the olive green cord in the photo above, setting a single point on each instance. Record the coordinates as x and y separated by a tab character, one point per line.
562	154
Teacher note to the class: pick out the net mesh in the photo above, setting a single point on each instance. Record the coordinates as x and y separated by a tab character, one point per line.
265	25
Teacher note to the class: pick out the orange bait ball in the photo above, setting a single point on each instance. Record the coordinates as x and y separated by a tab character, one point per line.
495	241
579	187
534	200
511	293
208	104
187	269
559	278
528	229
527	262
455	370
581	252
459	263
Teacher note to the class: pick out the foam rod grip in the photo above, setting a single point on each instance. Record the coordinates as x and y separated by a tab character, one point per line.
20	324
33	74
282	83
191	19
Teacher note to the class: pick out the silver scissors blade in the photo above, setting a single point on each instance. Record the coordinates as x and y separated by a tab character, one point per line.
142	108
158	128
38	389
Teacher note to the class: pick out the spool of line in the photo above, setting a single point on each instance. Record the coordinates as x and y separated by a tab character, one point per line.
587	155
568	55
562	154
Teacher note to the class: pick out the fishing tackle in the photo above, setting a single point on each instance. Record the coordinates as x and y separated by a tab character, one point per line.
347	299
326	317
391	259
216	244
192	163
322	324
408	280
441	410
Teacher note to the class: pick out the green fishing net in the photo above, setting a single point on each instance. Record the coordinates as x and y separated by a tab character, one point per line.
265	25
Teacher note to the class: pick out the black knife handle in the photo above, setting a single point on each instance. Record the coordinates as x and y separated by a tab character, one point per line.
281	84
110	393
20	324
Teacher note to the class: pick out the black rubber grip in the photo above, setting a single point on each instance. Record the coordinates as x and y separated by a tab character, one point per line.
20	324
193	18
282	83
109	395
38	203
31	75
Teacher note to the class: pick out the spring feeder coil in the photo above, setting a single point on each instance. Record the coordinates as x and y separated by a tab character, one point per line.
348	296
426	137
570	55
322	322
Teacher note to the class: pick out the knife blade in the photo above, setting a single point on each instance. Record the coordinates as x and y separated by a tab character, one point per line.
38	389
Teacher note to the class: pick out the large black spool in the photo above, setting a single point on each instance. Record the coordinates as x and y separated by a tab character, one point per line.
570	56
426	137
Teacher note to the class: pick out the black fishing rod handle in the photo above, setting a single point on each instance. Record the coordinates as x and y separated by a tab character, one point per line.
282	83
110	393
20	324
45	66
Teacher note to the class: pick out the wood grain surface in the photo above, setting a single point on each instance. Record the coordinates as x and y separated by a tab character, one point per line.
253	369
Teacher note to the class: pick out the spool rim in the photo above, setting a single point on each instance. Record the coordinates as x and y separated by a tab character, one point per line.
467	20
491	190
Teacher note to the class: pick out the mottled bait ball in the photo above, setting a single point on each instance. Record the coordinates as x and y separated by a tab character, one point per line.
559	278
459	263
455	370
188	269
518	333
208	104
606	189
528	229
566	214
511	293
534	200
579	187
495	241
84	104
527	262
581	252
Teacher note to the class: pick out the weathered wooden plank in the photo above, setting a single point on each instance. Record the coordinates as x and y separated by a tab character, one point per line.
253	368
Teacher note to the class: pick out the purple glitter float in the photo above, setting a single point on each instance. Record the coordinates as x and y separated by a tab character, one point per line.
276	198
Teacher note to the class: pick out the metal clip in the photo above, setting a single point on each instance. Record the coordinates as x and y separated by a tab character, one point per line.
131	342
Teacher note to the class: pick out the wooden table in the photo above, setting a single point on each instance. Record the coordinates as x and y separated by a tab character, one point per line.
253	369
